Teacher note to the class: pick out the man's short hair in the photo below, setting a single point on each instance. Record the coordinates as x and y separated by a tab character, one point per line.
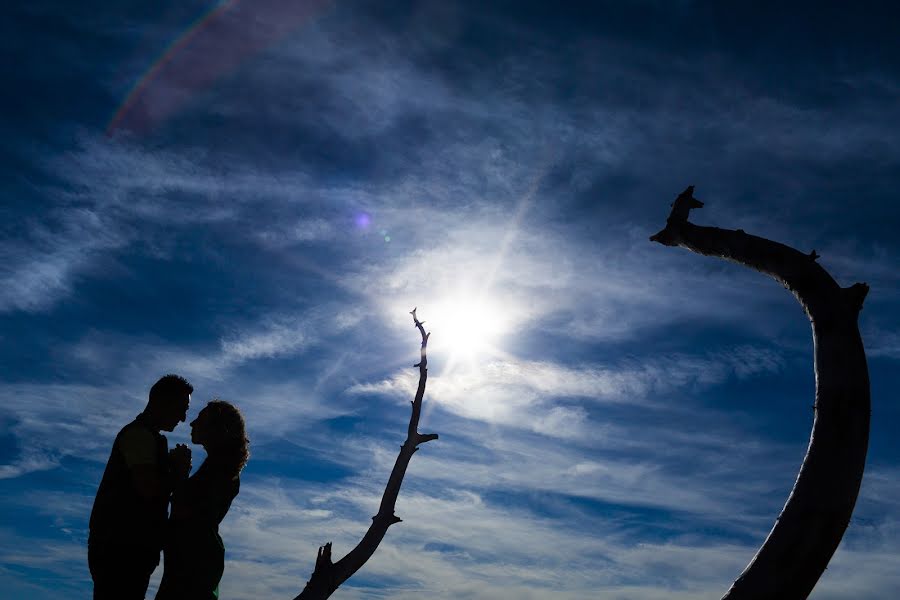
169	386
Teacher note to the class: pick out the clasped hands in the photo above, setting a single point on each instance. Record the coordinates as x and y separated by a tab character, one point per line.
180	461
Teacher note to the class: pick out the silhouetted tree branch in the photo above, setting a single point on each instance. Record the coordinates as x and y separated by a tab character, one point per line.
328	576
812	522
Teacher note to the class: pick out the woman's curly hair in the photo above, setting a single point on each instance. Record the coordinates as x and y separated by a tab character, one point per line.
228	423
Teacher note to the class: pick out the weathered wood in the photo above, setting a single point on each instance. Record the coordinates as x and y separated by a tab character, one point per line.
328	576
812	522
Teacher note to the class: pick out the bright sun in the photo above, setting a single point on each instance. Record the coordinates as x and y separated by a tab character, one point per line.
467	326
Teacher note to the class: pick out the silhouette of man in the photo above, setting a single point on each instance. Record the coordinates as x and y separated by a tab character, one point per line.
130	511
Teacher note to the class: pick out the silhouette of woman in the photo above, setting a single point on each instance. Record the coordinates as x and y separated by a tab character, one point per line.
194	555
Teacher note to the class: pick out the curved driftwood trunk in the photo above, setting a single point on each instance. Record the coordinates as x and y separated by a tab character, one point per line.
817	512
328	576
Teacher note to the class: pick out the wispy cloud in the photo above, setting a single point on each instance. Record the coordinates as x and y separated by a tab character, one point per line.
527	393
29	461
274	339
38	269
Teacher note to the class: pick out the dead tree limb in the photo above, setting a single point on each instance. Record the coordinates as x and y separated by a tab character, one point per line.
328	576
812	522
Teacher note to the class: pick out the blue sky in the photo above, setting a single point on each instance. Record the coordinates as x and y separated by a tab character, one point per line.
618	419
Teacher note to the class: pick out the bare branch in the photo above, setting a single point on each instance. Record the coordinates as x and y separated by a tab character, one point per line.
817	512
328	576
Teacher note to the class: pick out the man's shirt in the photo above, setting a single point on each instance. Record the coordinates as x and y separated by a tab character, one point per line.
121	515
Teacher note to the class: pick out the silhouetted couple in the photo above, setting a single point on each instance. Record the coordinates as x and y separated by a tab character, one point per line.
130	521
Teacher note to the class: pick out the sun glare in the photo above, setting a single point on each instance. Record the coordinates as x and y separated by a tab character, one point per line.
468	326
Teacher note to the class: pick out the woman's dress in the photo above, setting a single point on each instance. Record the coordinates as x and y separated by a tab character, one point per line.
194	555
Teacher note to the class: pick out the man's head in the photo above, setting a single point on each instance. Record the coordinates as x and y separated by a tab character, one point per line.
169	400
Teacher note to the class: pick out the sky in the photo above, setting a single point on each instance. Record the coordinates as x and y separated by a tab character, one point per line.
254	195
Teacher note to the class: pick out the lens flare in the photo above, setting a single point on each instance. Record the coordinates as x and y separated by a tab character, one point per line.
212	46
363	220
